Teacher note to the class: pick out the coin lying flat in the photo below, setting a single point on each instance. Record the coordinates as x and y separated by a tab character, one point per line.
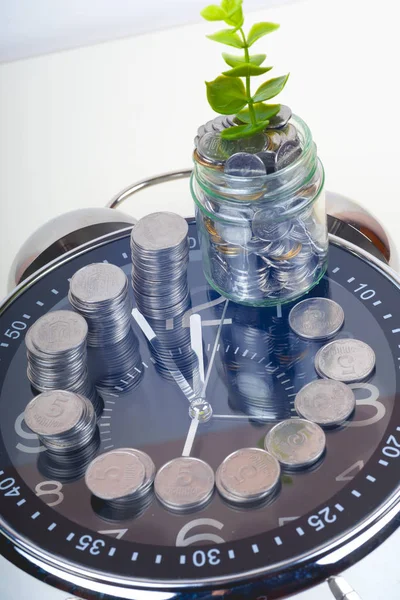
346	360
296	443
184	483
248	475
115	475
325	402
316	318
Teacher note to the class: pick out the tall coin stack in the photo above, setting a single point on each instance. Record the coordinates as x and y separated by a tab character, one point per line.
57	355
160	255
99	292
64	421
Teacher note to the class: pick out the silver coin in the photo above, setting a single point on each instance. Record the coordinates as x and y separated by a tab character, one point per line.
98	282
116	475
249	474
346	360
281	119
58	331
244	164
316	318
53	412
150	468
287	153
267	228
325	402
296	443
184	483
269	159
160	231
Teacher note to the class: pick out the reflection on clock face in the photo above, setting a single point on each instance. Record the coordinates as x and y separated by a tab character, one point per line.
254	365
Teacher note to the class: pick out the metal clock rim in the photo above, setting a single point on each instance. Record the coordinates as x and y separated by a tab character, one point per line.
342	550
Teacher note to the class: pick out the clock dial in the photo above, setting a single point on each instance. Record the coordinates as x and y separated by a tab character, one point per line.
254	365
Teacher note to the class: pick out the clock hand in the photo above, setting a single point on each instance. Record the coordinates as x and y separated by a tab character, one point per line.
171	366
341	590
196	341
195	421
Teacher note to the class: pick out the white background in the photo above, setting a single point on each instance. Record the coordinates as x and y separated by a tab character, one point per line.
79	125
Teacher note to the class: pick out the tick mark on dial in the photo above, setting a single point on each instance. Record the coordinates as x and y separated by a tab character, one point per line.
112	552
231	554
388	316
336	269
339	507
135	556
21	502
356	493
182	559
278	541
70	537
376	303
35	515
55	292
158	559
255	548
384	463
39	303
370	478
52	526
300	531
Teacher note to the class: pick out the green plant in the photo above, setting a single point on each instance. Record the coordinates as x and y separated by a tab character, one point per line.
228	94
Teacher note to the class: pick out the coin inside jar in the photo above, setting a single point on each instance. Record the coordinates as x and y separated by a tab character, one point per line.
247	475
296	443
325	402
346	360
115	475
184	483
316	318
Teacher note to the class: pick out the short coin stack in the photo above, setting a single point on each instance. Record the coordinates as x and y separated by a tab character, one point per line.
99	292
57	355
133	475
160	255
64	421
248	475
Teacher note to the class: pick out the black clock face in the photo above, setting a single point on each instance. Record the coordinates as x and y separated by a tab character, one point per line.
256	367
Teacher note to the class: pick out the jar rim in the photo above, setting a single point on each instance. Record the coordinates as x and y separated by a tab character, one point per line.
270	187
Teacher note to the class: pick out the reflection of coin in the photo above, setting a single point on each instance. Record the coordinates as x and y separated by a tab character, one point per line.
345	360
184	483
115	475
325	402
296	443
53	412
98	282
247	475
58	331
316	318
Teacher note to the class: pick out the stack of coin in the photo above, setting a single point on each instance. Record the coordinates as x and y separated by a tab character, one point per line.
247	476
64	421
99	292
57	355
66	468
117	367
160	255
121	476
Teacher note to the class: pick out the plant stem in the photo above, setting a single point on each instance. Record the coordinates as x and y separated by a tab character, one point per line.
248	93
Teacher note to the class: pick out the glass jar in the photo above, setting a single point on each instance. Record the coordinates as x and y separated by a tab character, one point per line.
264	239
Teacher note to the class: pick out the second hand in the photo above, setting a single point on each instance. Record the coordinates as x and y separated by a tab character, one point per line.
195	422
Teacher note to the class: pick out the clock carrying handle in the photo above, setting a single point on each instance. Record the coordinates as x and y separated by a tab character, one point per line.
346	219
124	194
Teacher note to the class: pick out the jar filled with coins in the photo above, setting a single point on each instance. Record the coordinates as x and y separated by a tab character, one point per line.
260	209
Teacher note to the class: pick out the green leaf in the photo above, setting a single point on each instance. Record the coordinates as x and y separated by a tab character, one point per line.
235	61
242	131
236	18
262	112
259	30
230	6
246	70
226	95
213	13
228	37
270	88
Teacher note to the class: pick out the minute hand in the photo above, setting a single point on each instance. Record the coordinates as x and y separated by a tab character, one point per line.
171	366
